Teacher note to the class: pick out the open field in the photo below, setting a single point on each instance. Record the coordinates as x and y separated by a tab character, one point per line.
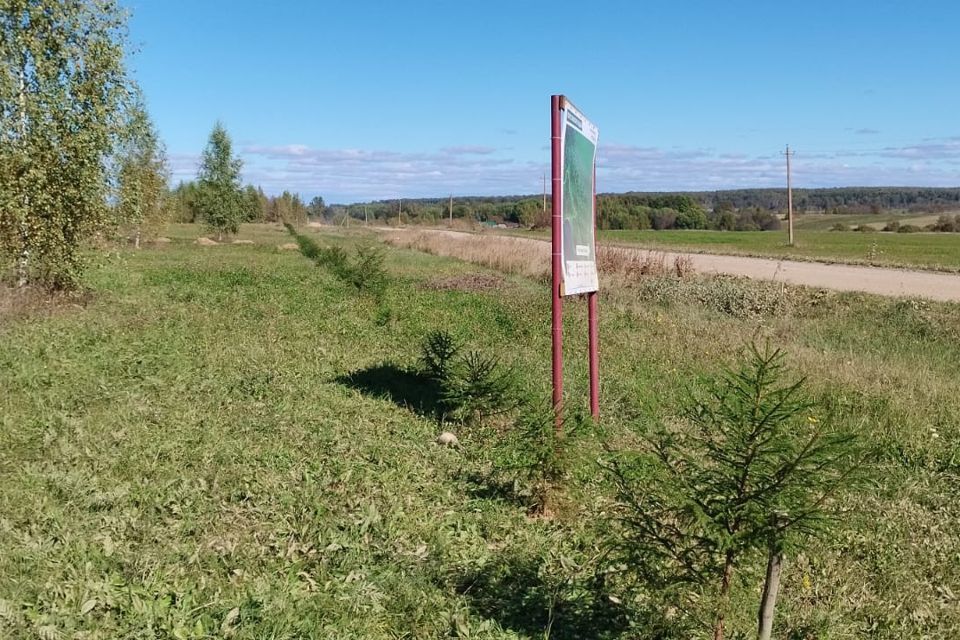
824	221
226	441
935	251
940	251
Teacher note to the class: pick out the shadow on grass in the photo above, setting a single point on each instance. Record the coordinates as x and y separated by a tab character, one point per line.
487	486
406	387
514	592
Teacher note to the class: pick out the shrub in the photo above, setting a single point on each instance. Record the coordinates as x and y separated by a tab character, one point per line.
691	219
840	226
663	218
893	225
909	228
947	224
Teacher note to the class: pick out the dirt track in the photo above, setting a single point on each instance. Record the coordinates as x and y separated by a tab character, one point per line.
841	277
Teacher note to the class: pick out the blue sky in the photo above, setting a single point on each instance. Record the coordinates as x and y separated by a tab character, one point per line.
356	100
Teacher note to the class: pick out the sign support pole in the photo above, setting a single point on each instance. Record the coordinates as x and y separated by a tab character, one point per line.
593	328
556	220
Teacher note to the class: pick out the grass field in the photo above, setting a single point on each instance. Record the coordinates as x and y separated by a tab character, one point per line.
224	442
825	221
940	251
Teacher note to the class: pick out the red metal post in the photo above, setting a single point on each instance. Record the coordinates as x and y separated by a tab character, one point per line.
556	103
593	331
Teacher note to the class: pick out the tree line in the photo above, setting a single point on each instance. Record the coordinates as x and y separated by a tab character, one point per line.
738	209
614	211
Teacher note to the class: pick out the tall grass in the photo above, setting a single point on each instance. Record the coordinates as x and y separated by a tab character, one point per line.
531	258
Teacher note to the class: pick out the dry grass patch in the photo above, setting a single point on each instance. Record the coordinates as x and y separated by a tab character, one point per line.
22	302
531	258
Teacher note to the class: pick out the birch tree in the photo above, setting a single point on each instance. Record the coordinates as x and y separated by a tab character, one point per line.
63	91
219	195
142	179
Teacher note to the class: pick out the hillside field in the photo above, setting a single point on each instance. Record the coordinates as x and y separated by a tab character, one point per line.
228	441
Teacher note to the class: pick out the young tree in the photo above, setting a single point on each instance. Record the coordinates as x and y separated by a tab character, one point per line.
752	470
142	179
63	92
317	209
220	198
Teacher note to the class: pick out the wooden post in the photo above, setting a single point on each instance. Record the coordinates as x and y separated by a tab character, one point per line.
789	198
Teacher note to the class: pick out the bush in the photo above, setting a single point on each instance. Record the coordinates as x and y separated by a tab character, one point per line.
946	224
663	218
908	228
691	219
840	226
893	225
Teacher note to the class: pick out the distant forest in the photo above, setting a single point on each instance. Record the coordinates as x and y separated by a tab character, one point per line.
740	209
736	210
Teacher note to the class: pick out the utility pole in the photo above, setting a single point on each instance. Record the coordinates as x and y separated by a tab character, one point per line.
399	211
366	220
544	195
450	209
789	153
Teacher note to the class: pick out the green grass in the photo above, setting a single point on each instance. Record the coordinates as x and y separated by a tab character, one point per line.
940	251
222	443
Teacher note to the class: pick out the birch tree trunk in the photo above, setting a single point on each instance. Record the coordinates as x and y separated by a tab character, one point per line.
771	588
23	260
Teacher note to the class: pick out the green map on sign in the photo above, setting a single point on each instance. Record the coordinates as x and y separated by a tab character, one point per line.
577	210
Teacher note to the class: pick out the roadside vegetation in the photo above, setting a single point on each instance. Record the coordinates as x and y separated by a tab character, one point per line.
230	441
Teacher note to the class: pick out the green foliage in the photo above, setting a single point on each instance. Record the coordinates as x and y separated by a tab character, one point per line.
317	209
692	219
220	200
753	465
143	177
471	385
437	353
170	487
480	386
366	271
64	95
533	454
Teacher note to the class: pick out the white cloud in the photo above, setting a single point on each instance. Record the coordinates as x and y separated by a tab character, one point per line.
344	175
